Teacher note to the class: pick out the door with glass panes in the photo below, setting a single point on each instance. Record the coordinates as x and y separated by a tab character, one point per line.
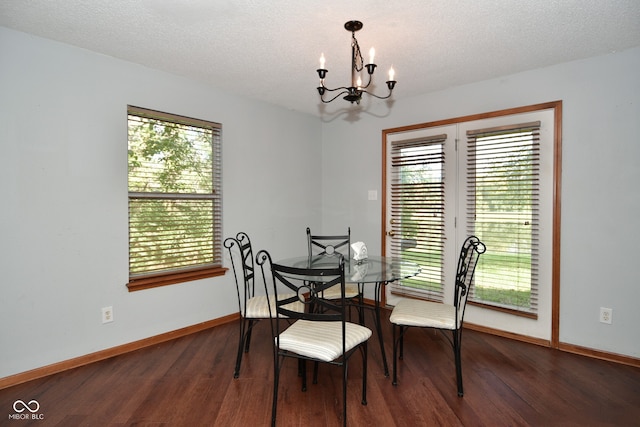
491	177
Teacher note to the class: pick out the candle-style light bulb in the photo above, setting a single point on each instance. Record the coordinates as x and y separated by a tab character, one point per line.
392	74
359	82
322	61
372	53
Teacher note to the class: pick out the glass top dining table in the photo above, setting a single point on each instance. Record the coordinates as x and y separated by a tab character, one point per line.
373	271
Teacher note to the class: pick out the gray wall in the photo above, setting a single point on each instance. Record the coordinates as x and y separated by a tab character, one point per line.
63	221
600	196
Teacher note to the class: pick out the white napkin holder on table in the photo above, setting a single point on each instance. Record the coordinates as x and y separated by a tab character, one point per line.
359	251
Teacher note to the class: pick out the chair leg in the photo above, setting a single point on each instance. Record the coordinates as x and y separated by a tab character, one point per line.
241	342
398	349
315	372
247	340
380	338
344	393
458	359
365	358
394	375
394	380
304	374
276	378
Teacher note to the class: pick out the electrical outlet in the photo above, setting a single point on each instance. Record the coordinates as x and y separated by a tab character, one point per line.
605	315
107	314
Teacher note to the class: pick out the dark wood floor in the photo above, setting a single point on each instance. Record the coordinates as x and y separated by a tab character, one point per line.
189	382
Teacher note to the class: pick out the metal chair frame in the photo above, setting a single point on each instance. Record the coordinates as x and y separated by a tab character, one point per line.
470	253
309	293
334	245
329	245
245	290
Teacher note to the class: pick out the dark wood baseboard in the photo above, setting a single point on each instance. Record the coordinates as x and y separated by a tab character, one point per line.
569	348
505	334
598	354
111	352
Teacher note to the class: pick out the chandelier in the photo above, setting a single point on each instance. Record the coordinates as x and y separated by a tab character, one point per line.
354	92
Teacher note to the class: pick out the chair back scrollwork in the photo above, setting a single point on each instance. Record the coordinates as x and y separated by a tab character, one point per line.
467	261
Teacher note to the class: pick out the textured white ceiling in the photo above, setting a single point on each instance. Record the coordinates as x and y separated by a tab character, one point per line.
269	49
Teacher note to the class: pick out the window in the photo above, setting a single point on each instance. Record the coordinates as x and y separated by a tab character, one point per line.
175	203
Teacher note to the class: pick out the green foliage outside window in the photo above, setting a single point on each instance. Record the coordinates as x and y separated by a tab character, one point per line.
171	195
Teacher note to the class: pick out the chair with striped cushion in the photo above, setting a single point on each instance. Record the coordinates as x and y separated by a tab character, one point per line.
445	317
322	335
251	306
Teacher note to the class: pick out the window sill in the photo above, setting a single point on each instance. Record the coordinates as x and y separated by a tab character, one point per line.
512	311
157	280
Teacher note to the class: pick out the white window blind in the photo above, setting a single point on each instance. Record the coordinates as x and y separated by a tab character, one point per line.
175	204
503	168
417	213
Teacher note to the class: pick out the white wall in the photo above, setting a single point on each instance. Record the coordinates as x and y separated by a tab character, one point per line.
63	221
600	195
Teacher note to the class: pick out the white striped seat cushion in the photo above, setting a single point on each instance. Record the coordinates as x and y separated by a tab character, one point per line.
427	314
350	291
258	306
322	340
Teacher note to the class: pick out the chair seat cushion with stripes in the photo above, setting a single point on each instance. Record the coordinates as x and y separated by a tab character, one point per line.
322	340
258	306
426	314
350	291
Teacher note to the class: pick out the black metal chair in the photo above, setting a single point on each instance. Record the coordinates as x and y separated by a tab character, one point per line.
251	306
445	317
335	245
316	335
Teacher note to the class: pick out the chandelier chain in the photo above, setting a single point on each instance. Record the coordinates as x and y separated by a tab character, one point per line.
358	60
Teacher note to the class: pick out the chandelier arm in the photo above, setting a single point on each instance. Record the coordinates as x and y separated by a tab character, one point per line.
341	93
376	96
367	85
344	88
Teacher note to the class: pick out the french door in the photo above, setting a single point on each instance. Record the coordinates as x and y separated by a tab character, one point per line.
492	176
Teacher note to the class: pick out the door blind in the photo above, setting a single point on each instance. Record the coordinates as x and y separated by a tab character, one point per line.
503	195
417	213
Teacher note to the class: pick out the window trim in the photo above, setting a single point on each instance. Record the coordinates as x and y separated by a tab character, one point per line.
140	281
162	279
